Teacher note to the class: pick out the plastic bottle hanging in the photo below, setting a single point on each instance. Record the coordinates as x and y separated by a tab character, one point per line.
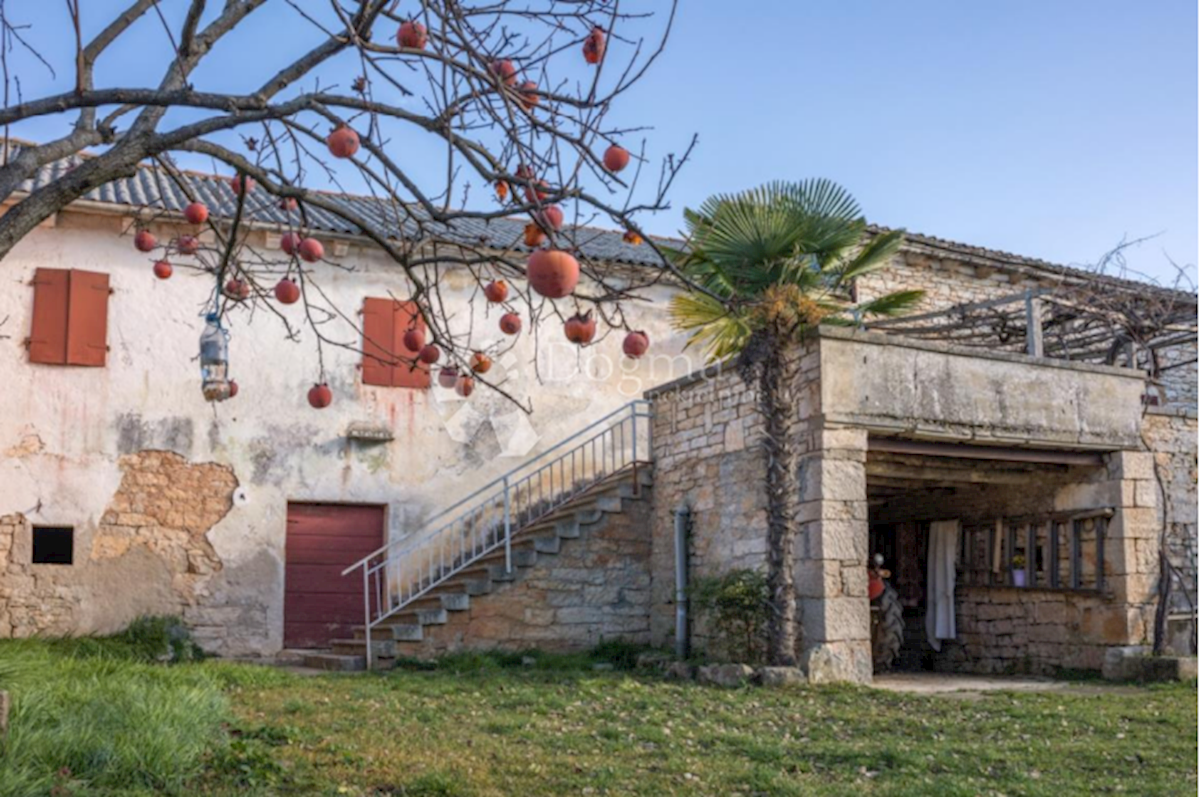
214	360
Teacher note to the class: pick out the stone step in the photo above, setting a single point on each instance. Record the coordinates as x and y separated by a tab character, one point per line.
588	517
549	544
400	632
451	602
407	616
586	502
477	586
645	475
358	647
629	490
490	568
568	528
521	557
609	503
335	662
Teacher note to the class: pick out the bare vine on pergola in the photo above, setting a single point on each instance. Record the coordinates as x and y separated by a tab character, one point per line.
517	93
1097	314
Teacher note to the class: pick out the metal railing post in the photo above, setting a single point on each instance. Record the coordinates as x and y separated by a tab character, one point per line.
507	530
367	613
650	432
633	416
633	433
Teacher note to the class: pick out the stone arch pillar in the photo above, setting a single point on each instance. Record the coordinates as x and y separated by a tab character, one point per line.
831	558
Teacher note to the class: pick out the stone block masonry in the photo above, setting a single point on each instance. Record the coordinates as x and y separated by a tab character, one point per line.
596	588
1036	631
149	553
1171	436
852	385
708	458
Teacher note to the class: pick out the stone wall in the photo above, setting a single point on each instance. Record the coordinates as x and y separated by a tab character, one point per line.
946	280
1040	631
1178	386
596	588
1172	438
149	553
706	459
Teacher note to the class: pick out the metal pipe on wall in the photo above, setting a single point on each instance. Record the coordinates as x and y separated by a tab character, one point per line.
683	520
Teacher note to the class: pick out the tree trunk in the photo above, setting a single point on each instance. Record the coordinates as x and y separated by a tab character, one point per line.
776	404
21	219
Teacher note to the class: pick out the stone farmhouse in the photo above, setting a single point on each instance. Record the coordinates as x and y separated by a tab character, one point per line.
404	520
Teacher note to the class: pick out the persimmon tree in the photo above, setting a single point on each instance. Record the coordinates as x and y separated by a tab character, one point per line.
516	95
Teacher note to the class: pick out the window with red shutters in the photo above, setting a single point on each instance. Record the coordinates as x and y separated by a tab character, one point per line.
70	317
384	323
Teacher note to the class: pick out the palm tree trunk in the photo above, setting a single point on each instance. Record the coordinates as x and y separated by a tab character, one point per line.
776	404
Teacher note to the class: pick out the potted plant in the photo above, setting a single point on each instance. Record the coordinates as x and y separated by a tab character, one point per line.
1018	570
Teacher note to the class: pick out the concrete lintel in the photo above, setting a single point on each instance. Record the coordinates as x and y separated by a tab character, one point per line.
963	451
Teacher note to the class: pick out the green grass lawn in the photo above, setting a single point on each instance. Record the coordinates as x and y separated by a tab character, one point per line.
476	727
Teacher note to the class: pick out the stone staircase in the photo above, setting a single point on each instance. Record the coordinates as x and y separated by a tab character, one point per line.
446	609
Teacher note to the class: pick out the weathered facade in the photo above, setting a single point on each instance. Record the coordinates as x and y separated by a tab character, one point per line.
174	505
179	506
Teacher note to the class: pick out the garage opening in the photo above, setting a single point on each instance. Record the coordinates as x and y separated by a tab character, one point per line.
1020	532
319	603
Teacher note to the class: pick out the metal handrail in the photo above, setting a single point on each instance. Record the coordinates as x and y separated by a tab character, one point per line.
631	407
400	572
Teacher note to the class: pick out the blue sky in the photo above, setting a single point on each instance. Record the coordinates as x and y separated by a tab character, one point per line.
1052	129
1049	128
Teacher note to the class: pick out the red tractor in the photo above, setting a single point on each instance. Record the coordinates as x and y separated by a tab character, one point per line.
887	617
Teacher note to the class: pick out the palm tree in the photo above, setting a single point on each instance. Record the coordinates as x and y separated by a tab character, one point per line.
774	262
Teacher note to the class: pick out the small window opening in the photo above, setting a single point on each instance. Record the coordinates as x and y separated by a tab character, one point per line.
53	545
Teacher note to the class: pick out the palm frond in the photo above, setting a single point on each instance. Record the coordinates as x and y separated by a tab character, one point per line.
806	237
891	304
872	257
720	332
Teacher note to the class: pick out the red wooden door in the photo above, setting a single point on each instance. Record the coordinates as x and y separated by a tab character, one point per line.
319	603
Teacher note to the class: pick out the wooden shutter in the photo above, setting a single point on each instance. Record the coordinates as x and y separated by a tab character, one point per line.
48	332
87	318
405	317
378	341
384	323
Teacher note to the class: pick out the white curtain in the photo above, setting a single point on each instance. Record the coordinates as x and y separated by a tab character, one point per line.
939	596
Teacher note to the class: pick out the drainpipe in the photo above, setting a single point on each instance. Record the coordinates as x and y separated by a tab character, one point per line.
683	520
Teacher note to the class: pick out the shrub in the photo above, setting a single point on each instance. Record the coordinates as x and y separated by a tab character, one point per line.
146	639
735	607
160	639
